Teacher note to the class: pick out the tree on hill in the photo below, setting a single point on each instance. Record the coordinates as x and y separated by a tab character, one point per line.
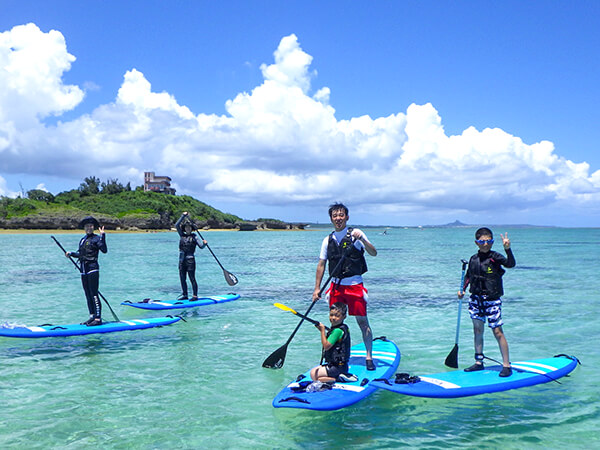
40	195
114	187
90	186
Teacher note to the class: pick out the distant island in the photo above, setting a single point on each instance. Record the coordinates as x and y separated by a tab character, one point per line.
455	224
459	224
118	207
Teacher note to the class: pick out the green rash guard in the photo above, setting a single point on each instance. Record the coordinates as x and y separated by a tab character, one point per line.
335	336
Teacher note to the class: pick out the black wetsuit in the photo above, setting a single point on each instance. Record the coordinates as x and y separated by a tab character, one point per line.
187	261
89	247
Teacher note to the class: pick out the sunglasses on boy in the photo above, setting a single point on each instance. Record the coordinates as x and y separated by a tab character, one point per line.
484	241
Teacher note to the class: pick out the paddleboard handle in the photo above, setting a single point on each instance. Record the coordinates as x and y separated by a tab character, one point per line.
295	399
571	357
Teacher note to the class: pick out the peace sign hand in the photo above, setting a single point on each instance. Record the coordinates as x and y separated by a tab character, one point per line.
505	241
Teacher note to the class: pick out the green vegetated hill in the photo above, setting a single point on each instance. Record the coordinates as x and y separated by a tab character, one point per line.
126	209
118	207
139	203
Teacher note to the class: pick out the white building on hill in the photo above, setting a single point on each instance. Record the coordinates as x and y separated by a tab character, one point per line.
157	184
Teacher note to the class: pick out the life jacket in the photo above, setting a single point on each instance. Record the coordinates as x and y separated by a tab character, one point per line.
485	275
339	353
354	262
187	244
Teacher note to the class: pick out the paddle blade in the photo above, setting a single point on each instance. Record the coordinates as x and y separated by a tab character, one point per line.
230	278
276	359
452	358
284	308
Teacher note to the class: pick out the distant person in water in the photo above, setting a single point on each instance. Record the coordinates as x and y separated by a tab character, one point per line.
484	275
347	283
89	247
188	241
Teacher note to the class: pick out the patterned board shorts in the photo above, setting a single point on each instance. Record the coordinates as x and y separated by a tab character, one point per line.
481	308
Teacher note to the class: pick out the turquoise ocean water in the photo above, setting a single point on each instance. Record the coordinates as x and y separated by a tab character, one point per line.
200	383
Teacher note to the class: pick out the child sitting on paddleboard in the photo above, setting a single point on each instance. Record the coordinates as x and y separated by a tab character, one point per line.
485	277
336	347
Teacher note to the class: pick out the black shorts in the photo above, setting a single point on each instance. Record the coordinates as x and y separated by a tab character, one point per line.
187	264
335	371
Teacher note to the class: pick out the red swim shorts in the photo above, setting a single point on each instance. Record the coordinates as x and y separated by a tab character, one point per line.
353	296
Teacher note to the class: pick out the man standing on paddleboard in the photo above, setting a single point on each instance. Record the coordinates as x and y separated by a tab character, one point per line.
347	284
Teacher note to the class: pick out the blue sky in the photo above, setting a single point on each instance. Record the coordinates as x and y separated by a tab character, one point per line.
410	112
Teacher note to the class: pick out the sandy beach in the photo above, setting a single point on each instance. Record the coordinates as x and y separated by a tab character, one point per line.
57	231
50	231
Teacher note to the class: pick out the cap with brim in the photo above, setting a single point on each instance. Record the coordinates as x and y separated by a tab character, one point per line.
89	219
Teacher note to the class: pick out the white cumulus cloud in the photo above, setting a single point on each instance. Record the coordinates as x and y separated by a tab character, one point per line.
279	144
32	65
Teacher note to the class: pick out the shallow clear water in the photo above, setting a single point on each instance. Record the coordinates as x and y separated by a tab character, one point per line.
200	383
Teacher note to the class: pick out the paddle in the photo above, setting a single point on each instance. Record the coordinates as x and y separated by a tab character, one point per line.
230	278
287	308
79	268
276	359
452	358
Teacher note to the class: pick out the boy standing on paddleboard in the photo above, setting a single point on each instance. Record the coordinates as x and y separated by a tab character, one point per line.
485	277
347	284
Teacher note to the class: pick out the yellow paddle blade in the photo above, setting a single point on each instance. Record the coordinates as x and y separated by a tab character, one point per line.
285	308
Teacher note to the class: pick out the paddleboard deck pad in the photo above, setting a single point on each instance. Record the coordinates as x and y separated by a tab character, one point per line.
459	383
180	304
386	357
23	331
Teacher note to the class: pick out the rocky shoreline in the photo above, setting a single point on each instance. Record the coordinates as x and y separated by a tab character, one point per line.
134	222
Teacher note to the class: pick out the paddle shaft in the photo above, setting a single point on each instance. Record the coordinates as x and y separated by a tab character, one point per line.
462	280
323	286
79	269
230	278
452	358
308	319
304	317
211	252
313	321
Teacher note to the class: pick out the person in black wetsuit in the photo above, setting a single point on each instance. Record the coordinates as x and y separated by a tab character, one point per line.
89	247
484	275
188	241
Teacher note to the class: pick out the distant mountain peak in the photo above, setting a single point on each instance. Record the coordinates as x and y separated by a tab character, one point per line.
456	223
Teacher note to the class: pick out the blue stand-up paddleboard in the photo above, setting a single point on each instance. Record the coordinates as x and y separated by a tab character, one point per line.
180	304
386	357
22	331
459	383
